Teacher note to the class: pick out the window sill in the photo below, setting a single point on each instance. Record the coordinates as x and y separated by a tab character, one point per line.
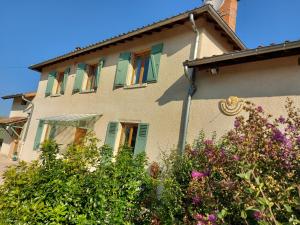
133	86
87	91
55	95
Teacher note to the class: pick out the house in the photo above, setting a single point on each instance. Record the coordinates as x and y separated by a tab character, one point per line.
134	88
120	88
13	129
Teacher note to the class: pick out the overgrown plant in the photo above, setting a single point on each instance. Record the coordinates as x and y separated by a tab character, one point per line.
82	186
250	176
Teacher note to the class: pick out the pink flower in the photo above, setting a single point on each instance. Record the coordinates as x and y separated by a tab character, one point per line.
196	200
236	158
257	215
199	217
259	109
281	119
237	123
212	218
208	142
196	175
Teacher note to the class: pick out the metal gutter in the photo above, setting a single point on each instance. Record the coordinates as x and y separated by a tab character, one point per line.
148	29
257	54
192	87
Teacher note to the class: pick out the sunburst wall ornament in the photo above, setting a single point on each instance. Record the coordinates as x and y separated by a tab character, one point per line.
231	106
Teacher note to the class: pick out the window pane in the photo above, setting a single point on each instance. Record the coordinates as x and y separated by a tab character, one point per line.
146	67
91	77
59	82
138	70
134	134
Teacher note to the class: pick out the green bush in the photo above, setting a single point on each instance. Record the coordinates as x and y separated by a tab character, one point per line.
83	186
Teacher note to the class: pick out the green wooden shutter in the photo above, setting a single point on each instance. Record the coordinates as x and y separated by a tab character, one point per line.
38	136
99	68
79	77
122	68
64	84
141	139
156	52
111	133
51	78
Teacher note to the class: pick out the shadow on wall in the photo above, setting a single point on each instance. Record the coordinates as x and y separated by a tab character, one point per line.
176	92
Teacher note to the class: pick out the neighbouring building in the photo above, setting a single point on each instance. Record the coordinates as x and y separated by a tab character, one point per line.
13	129
134	89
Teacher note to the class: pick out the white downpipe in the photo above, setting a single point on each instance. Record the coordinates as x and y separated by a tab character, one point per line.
192	88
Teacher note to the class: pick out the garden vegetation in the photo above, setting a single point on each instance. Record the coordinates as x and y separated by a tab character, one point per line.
251	175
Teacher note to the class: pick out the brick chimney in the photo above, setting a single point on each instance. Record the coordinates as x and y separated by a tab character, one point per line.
228	12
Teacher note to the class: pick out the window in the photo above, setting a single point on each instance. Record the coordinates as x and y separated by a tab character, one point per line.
91	71
59	83
140	68
128	135
79	135
145	67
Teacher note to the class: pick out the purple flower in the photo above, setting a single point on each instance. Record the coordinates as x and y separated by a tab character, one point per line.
196	200
259	109
257	215
288	144
237	123
194	152
236	158
278	136
291	128
212	218
197	175
281	119
199	217
208	142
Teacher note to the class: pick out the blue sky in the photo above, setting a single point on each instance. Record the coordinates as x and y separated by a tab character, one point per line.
35	30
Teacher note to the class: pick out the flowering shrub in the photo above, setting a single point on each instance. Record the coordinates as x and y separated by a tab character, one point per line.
250	176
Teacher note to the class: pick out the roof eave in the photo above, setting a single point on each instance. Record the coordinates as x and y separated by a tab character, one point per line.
257	54
206	8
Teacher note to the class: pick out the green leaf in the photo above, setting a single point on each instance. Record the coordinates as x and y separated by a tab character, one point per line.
243	214
288	208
